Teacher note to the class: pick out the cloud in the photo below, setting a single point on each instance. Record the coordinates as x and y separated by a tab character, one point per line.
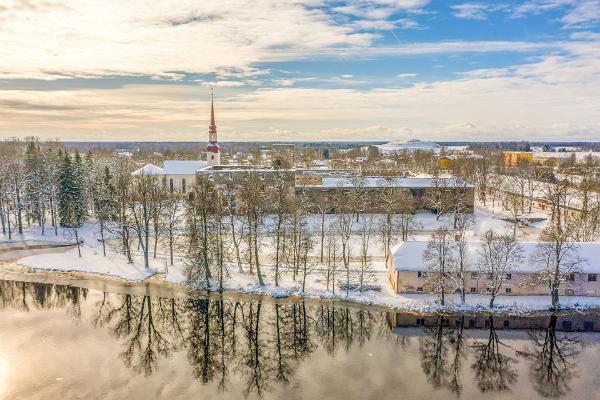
582	13
85	38
224	84
527	100
405	76
470	11
578	13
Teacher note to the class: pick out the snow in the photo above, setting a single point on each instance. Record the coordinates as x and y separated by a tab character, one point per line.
148	169
378	182
92	260
408	256
115	265
411	146
183	167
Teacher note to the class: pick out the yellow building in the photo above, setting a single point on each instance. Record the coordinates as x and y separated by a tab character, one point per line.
514	158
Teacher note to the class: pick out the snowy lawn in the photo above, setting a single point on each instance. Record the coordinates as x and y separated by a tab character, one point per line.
115	265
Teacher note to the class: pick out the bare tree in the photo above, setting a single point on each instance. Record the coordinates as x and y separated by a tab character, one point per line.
440	259
498	257
557	257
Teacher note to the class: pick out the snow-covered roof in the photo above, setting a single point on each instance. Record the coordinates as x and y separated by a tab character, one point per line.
148	169
579	155
411	145
377	181
408	256
183	167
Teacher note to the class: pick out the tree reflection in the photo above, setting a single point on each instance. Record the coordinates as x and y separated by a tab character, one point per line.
493	370
442	351
262	344
552	356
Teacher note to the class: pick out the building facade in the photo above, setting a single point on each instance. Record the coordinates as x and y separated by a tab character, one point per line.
407	272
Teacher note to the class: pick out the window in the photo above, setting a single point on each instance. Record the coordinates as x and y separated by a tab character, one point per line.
588	325
171	185
567	325
421	274
471	323
421	321
473	290
487	323
508	290
508	277
474	275
419	289
592	277
506	323
571	277
183	186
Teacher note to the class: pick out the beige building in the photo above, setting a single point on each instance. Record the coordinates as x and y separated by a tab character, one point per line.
407	272
179	176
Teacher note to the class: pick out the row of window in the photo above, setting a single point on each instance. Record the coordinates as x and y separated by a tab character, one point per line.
566	324
475	275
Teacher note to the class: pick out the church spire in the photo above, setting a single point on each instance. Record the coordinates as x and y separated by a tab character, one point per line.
213	152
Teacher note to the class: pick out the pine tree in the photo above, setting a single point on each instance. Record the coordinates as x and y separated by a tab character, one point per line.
66	191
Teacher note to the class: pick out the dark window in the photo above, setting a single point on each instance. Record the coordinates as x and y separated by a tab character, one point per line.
567	325
419	289
487	323
506	323
420	321
473	290
421	274
588	325
571	277
171	185
474	275
183	186
508	290
508	277
592	277
471	323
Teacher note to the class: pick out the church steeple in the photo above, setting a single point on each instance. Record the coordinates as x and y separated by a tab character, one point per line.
213	152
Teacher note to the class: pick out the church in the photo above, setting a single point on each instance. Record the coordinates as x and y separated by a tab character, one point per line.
318	187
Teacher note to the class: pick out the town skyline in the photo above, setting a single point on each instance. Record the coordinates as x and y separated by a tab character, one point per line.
315	70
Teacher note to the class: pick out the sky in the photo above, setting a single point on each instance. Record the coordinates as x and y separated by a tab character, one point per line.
300	70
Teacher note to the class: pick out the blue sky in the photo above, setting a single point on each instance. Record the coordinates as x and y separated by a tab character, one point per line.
301	70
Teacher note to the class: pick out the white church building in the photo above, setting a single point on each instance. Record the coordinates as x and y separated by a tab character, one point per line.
179	176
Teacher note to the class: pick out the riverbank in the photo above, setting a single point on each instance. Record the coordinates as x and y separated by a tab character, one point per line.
110	271
58	253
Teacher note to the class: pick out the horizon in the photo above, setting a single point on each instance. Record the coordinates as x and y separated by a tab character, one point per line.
377	70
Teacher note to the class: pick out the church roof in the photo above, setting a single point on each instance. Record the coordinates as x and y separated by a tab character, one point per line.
148	169
183	167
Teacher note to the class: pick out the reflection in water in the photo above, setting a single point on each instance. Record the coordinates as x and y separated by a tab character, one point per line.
494	370
552	355
263	344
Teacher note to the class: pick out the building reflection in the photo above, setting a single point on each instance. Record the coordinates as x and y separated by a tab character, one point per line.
262	344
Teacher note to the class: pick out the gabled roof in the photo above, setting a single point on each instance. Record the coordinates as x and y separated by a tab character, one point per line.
183	167
408	256
148	169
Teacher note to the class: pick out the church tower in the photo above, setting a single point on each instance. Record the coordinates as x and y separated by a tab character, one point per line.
213	152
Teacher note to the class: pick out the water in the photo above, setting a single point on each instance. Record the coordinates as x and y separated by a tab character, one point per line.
67	342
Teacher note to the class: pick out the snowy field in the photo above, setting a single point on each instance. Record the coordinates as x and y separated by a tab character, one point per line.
115	265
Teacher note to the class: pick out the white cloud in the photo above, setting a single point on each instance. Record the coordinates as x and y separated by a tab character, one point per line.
582	13
405	76
555	97
143	37
224	84
470	11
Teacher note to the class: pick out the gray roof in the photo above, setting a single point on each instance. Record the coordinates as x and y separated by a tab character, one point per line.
183	167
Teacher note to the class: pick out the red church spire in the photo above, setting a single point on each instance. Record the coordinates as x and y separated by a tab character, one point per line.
213	146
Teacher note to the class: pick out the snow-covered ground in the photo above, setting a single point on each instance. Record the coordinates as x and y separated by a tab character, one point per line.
92	261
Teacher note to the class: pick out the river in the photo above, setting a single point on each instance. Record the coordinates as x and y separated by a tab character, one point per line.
65	338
